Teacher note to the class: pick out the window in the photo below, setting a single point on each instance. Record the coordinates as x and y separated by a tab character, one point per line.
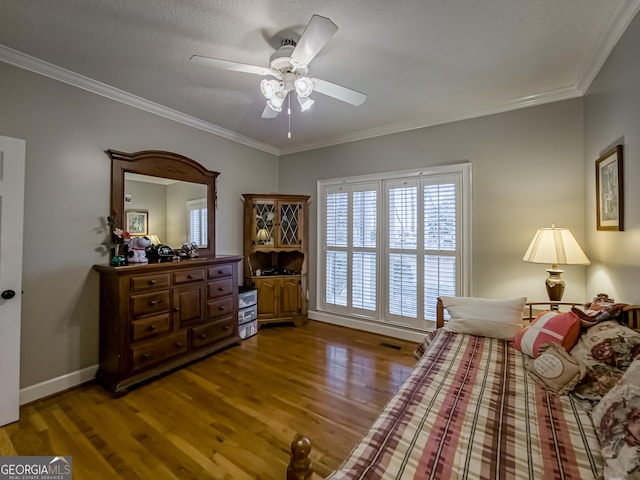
391	244
198	221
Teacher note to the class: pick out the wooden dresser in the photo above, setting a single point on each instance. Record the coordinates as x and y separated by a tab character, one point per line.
158	316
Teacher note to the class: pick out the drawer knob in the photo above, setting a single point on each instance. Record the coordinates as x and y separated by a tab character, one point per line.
153	302
221	289
221	309
220	272
227	327
145	356
152	282
151	328
190	276
176	309
178	344
202	336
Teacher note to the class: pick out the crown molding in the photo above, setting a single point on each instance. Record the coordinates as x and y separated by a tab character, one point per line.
27	62
618	23
515	104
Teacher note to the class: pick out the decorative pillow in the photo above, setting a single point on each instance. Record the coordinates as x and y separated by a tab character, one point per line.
554	369
606	350
484	317
617	421
598	312
561	328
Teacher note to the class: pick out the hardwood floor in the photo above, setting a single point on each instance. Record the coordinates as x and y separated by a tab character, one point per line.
229	416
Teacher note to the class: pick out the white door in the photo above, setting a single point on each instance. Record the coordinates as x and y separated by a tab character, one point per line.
12	160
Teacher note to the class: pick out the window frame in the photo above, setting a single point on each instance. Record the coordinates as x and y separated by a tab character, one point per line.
463	277
201	205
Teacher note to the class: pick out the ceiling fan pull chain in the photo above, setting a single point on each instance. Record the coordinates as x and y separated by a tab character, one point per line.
289	114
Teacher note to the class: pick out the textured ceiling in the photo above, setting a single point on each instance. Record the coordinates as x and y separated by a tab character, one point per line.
421	62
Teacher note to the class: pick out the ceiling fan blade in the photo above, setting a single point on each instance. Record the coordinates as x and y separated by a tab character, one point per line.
315	36
269	112
339	92
234	66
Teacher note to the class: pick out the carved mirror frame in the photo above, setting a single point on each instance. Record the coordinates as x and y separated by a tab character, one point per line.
157	163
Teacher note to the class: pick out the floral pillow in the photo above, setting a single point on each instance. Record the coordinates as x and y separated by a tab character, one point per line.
605	350
617	421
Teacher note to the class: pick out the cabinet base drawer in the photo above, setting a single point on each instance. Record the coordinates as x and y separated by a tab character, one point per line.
154	351
212	332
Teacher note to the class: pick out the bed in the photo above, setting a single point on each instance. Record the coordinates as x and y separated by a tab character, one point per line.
471	410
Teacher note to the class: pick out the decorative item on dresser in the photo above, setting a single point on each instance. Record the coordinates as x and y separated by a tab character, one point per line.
157	316
275	255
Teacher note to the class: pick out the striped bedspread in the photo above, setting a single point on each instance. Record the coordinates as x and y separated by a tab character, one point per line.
470	411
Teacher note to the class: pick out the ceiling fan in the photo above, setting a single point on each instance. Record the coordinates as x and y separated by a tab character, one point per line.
289	65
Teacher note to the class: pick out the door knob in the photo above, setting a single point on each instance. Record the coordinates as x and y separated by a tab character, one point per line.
8	294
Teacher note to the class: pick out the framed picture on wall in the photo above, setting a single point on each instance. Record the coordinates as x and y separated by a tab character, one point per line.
609	190
138	223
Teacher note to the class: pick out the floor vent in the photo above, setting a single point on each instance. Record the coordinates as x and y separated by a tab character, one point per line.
390	345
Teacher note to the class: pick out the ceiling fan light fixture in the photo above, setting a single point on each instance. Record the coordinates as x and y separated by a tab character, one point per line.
305	103
270	88
275	103
304	86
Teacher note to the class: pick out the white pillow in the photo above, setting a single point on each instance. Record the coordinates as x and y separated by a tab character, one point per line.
485	317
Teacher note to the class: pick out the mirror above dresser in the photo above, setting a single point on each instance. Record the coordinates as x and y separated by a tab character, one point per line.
142	181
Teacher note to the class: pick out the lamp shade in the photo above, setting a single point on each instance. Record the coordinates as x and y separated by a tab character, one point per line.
262	235
556	246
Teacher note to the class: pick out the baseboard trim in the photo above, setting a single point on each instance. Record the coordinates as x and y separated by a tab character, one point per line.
57	385
368	326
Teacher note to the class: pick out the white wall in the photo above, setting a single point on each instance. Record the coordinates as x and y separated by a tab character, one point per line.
528	172
611	117
67	193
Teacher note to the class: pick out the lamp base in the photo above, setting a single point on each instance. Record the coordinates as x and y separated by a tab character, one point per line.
555	284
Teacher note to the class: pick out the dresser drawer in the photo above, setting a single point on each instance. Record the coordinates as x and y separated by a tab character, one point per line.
150	326
155	351
150	303
219	271
219	307
139	283
212	332
185	276
220	288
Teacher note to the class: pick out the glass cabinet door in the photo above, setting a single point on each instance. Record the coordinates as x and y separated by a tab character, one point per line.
264	226
290	224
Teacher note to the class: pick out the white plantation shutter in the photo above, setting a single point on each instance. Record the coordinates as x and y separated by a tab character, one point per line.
350	227
390	247
198	221
441	210
364	240
402	220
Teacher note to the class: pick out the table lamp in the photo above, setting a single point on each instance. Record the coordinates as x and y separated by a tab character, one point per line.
263	235
556	246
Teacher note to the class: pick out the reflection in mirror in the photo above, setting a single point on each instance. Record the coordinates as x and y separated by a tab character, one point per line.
168	219
177	210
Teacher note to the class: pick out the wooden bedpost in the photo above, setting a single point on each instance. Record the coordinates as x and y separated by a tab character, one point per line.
439	314
300	465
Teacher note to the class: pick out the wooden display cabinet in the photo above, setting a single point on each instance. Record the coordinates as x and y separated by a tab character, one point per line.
275	255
